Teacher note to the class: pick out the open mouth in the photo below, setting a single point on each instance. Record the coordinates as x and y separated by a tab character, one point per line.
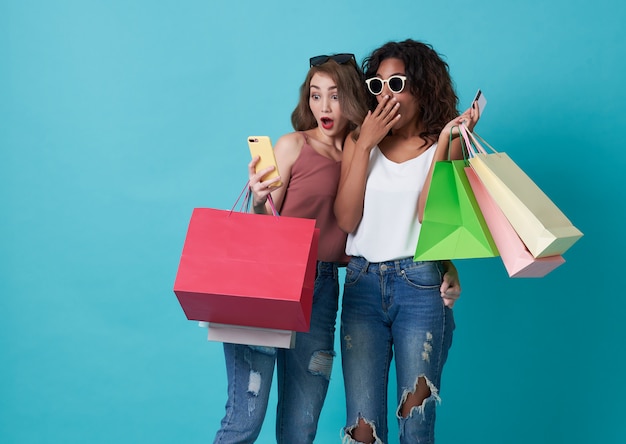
327	122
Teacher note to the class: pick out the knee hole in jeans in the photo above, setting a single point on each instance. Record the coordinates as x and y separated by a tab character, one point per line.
422	392
321	363
363	432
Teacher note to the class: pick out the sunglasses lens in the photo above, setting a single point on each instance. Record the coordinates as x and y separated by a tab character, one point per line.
396	84
339	58
343	58
318	60
375	85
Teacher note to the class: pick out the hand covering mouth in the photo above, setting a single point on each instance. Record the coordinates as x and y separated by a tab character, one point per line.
327	122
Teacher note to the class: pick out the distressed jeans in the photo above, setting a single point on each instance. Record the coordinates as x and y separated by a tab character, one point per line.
393	307
303	375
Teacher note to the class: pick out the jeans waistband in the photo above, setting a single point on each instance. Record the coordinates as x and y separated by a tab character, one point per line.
393	266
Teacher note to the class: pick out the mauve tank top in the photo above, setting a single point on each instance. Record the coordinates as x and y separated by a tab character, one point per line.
311	194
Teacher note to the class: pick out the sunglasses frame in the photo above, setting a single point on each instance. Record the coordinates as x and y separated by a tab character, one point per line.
341	58
383	81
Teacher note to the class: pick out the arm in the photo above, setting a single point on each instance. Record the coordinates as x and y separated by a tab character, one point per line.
356	155
286	150
470	116
351	189
451	286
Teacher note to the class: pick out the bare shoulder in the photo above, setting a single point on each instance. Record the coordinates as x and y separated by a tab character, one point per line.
289	146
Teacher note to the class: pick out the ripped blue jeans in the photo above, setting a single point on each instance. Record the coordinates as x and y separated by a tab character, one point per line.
303	375
393	307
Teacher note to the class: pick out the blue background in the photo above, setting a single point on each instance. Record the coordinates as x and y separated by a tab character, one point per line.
118	117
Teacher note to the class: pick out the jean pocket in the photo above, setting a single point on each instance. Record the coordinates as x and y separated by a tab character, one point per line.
425	275
352	275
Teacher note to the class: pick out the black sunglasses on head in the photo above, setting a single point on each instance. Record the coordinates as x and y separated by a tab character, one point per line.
339	58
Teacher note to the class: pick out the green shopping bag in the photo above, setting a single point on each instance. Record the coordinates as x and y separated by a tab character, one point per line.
453	226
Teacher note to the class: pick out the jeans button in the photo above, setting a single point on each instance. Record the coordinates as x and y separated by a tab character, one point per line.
383	267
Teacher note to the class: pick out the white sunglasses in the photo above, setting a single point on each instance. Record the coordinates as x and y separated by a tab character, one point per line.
395	83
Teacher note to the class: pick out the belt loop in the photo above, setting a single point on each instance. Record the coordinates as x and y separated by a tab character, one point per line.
366	267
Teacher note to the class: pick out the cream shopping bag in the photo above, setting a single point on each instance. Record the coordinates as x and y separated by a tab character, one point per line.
541	225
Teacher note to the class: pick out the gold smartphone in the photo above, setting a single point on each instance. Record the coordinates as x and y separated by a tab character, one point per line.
262	147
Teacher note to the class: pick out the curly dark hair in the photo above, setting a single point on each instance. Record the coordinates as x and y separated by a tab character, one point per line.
352	95
428	79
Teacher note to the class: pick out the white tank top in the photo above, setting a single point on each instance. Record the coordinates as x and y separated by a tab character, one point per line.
389	228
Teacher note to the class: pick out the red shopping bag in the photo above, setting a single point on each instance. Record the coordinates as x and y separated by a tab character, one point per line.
517	260
248	269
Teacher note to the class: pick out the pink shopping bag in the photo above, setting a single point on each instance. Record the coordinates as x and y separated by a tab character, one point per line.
541	225
518	261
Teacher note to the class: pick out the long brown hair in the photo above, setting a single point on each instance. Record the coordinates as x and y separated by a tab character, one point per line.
428	80
352	97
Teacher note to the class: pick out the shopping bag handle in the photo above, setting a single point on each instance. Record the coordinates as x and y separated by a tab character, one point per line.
465	141
247	200
475	147
464	147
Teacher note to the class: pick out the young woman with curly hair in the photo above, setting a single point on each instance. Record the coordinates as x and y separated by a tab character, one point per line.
393	305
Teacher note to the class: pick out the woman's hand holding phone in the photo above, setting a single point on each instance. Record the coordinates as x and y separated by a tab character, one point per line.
262	171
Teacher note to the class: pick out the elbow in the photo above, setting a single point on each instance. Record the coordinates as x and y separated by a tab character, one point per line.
346	227
420	210
346	222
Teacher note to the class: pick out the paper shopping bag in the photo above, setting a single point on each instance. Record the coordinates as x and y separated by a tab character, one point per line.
515	256
541	225
238	334
248	269
452	226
